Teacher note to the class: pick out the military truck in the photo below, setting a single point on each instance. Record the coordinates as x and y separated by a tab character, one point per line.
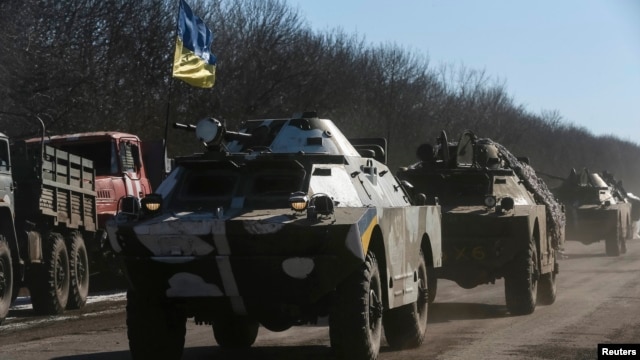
498	219
279	224
124	166
597	210
46	213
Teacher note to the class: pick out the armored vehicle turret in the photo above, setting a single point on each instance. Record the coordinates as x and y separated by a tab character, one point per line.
597	209
498	219
278	224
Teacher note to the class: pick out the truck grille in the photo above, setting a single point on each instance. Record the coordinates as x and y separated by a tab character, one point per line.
104	194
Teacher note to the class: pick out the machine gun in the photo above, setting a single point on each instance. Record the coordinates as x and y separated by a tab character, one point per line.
213	133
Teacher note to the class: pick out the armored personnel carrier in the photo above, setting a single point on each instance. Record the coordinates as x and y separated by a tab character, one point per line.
597	209
279	224
498	219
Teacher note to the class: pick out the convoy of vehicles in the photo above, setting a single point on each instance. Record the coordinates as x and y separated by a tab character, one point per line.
278	225
283	223
598	209
498	220
47	212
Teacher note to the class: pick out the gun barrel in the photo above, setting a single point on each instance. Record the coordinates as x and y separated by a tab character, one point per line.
189	127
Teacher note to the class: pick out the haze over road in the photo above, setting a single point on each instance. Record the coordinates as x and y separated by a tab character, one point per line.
598	302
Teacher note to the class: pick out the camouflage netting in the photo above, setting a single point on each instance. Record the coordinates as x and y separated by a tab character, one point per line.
555	215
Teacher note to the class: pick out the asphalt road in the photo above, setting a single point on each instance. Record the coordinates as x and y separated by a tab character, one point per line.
598	302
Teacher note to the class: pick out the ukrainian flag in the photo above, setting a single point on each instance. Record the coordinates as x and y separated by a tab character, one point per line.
193	62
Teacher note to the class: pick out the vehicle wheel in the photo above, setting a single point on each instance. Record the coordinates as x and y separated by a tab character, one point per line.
613	242
269	315
6	279
355	318
79	271
432	285
547	288
50	286
630	229
406	326
520	284
235	332
155	330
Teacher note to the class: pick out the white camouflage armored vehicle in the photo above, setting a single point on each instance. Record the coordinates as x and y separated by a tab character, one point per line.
278	225
498	219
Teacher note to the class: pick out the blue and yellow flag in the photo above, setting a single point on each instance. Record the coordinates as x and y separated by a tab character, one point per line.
193	62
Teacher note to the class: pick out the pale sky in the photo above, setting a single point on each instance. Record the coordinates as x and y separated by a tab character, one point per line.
579	57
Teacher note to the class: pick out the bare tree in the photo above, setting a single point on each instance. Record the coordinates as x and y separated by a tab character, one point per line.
106	65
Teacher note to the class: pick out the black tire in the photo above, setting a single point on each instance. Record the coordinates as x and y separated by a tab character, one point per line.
269	315
79	271
406	326
6	279
235	332
155	329
613	243
355	318
520	283
432	285
547	288
627	235
49	285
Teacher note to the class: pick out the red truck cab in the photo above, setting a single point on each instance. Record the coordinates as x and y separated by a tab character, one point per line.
119	164
124	166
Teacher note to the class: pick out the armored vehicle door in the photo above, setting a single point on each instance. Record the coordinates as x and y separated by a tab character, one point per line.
442	154
6	180
464	154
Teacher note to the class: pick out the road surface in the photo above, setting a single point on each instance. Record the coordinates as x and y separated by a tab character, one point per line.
598	302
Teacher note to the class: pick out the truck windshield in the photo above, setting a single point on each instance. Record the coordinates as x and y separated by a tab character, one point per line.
102	153
462	188
201	189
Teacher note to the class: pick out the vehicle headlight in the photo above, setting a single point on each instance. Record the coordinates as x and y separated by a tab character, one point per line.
507	203
489	201
299	201
322	203
152	203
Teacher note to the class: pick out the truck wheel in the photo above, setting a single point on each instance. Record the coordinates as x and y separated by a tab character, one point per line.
612	243
432	285
627	235
355	318
49	285
547	288
6	279
520	284
406	326
155	330
235	332
79	271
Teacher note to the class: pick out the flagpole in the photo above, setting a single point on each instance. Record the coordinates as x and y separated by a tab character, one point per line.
167	115
170	94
